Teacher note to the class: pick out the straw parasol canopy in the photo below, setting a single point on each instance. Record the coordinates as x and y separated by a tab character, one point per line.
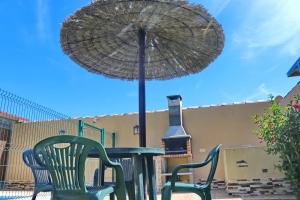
181	38
142	40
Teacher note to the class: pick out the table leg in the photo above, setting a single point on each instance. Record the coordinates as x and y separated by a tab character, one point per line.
138	177
144	166
102	174
151	178
100	178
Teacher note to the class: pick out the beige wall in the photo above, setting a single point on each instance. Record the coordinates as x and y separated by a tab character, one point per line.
230	125
256	160
25	135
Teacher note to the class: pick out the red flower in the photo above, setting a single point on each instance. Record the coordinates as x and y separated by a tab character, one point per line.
260	140
273	140
296	105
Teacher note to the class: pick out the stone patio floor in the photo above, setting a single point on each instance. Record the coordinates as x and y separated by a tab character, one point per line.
222	195
216	194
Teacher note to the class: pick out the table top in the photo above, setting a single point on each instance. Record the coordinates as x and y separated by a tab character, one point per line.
128	152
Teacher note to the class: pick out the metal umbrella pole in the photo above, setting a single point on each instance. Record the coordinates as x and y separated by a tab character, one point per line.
142	96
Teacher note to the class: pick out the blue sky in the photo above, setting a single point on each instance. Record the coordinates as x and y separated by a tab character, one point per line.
262	41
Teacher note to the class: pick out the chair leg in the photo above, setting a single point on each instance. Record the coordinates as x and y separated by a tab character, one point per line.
34	195
207	194
112	196
121	193
201	194
166	193
130	189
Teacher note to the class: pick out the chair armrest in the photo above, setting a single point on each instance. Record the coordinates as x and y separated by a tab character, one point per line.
185	166
120	178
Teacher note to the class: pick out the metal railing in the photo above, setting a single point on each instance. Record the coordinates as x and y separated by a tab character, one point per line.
93	132
81	130
22	124
84	128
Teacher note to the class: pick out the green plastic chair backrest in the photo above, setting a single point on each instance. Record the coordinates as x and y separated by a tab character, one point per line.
213	157
65	157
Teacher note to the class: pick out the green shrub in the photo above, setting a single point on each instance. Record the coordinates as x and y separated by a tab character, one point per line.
279	128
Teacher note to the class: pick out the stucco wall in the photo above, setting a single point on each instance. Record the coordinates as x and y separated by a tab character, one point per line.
251	171
26	135
230	125
250	163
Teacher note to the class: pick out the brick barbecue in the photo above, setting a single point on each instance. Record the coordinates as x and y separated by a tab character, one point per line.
176	142
177	145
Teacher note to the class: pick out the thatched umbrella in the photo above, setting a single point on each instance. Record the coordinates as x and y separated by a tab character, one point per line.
142	39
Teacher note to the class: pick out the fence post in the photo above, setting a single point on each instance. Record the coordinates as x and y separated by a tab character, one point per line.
80	128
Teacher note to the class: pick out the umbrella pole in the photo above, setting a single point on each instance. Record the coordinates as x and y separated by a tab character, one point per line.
142	104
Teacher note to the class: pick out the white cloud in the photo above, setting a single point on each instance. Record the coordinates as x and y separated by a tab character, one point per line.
216	7
43	22
261	92
272	68
268	24
219	6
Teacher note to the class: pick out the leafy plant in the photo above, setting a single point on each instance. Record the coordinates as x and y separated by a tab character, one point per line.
279	128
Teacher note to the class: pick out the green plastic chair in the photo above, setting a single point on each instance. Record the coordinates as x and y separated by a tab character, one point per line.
65	157
128	174
202	190
42	179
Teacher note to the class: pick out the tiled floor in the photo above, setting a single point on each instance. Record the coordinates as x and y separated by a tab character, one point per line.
222	195
216	194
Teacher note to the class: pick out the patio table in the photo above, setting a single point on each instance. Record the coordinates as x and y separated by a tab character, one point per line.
138	155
